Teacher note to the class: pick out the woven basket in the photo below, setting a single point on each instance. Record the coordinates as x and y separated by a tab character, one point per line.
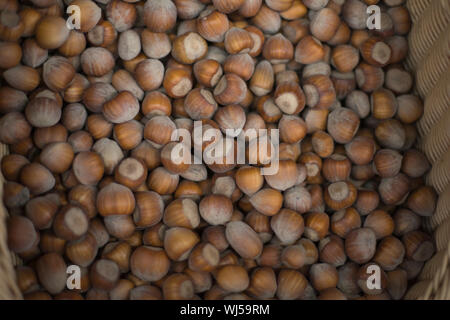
429	60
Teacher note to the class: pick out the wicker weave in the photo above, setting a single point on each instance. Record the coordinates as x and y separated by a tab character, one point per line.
429	58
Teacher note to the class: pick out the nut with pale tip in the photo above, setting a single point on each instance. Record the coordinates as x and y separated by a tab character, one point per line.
360	245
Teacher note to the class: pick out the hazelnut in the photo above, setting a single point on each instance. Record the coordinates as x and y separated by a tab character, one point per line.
37	178
285	178
278	49
243	239
88	167
232	278
178	286
70	223
200	104
363	280
123	107
110	203
323	276
390	253
268	20
342	125
96	61
82	251
324	24
189	48
177	82
340	195
316	225
241	64
57	157
418	246
160	16
263	283
262	80
387	163
155	45
104	274
21	234
212	25
182	213
422	201
205	257
230	89
149	263
344	221
267	201
149	208
51	272
332	251
207	72
14	128
179	242
289	97
51	32
287	225
43	112
298	199
291	284
131	173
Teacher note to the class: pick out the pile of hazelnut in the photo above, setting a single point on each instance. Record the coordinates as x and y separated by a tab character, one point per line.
88	114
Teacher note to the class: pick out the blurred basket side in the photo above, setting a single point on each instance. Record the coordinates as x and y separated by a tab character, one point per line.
429	59
8	284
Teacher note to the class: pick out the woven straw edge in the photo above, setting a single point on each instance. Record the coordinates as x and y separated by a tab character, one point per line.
438	287
434	280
